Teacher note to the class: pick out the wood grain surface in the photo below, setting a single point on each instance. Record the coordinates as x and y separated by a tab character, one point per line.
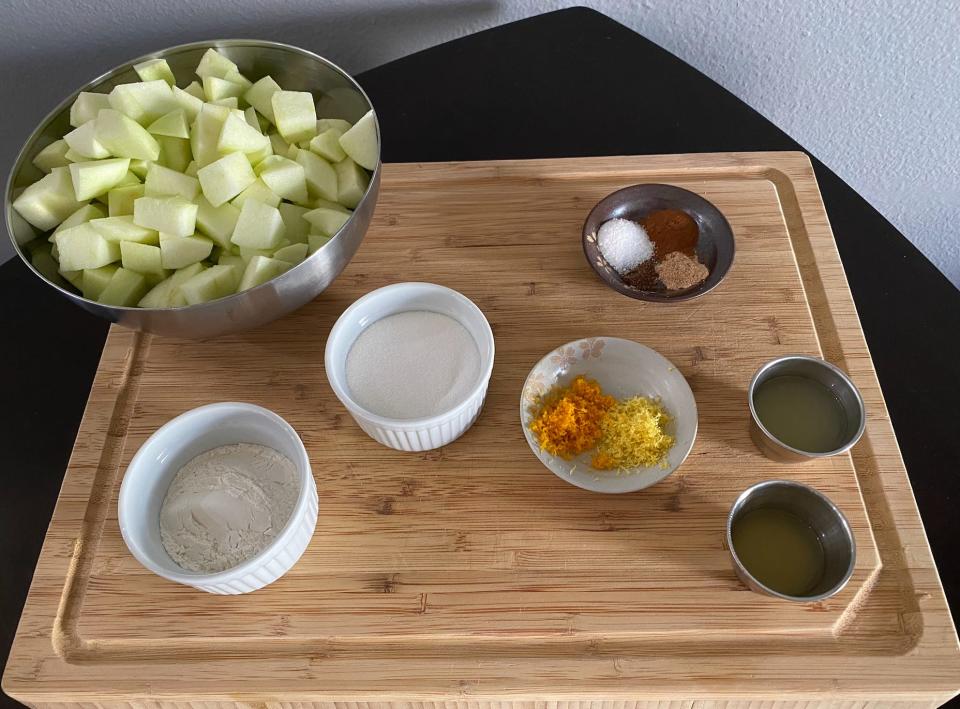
471	574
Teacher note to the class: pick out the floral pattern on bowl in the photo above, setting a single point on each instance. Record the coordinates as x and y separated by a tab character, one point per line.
623	368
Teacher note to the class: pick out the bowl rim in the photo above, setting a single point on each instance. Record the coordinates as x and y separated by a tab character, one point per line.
139	467
649	296
844	522
850	443
575	481
342	390
20	159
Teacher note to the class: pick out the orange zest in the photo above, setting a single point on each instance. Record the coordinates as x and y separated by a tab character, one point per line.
568	422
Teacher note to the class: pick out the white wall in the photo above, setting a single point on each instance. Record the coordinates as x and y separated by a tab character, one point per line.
869	86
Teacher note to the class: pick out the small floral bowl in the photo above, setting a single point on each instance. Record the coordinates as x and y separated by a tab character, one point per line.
622	368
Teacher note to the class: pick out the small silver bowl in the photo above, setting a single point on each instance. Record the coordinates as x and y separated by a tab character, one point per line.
294	69
826	520
831	377
715	245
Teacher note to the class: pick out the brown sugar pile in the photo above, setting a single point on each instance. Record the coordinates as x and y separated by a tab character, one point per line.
677	271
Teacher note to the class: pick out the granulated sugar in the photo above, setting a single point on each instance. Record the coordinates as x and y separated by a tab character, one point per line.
412	365
624	244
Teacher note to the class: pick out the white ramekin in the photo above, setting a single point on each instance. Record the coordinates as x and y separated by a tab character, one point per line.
174	444
419	434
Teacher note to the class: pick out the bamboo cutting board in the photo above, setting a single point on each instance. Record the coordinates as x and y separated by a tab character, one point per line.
471	574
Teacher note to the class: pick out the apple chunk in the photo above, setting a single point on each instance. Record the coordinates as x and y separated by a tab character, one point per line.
171	215
295	115
224	179
260	226
360	142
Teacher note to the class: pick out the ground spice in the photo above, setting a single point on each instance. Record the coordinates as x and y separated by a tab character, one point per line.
673	233
678	271
633	435
568	422
671	230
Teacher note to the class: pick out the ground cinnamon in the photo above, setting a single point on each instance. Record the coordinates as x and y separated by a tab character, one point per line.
671	230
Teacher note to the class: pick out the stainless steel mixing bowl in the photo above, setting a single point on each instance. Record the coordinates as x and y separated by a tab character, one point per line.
339	96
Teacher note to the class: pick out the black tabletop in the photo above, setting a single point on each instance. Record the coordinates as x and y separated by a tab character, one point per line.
569	83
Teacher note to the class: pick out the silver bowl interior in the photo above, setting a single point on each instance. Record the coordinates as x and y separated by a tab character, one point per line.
338	96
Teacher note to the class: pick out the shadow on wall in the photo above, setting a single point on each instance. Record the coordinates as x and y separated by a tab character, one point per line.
44	60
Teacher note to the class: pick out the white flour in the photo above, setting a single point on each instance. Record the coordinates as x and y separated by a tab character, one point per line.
412	365
226	505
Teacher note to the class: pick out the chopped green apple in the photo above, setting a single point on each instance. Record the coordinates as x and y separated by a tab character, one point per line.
83	215
294	115
73	156
316	242
54	155
239	136
326	221
124	137
171	215
260	96
74	277
279	145
83	247
173	124
97	177
224	179
321	177
125	288
180	251
352	183
229	102
217	222
143	101
259	191
175	153
154	69
143	258
327	145
192	168
49	200
96	279
292	254
204	134
284	176
237	78
216	89
195	89
187	102
210	284
228	259
296	227
140	167
121	228
86	107
120	199
163	294
319	202
163	181
83	141
260	226
215	64
325	124
360	142
261	269
252	118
